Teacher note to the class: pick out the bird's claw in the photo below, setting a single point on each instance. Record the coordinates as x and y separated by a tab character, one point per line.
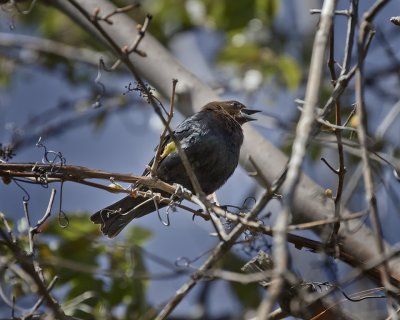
178	195
181	191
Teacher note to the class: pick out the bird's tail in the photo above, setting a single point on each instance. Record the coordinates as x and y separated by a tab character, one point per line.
116	216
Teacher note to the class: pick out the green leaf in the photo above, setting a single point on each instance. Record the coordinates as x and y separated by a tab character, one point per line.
229	15
79	227
245	55
248	294
315	151
252	56
130	289
171	16
6	67
137	235
289	71
99	120
267	10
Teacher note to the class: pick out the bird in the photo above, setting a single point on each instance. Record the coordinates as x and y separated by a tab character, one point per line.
211	139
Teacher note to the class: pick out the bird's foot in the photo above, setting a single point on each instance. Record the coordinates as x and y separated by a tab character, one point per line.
178	196
181	191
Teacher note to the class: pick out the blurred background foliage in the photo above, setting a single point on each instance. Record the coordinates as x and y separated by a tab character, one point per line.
93	279
96	281
248	27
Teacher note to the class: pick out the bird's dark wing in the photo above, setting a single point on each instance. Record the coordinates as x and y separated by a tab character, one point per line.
182	131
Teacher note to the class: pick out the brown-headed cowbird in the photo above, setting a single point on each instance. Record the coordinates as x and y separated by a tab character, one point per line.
211	140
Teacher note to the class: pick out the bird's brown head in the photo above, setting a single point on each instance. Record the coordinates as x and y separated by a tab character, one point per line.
232	108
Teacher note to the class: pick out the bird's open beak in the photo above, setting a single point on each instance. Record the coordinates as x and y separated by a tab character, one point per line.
245	113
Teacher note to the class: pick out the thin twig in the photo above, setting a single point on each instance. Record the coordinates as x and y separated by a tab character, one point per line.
341	171
337	12
141	32
28	269
335	127
395	20
341	84
4	221
303	134
33	231
125	9
362	136
46	46
160	146
41	299
357	273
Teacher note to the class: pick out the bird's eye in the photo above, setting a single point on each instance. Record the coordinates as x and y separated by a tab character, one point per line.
236	104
